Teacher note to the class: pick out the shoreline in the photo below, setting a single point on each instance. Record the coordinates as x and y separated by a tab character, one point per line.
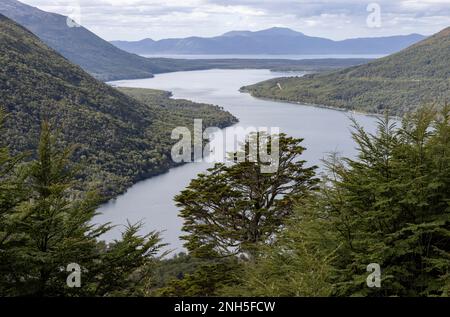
171	166
173	65
359	112
169	94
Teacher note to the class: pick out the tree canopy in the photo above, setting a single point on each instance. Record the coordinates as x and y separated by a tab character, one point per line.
233	207
46	226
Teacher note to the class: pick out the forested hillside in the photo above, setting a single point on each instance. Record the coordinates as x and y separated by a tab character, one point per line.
248	233
82	47
399	82
45	230
120	140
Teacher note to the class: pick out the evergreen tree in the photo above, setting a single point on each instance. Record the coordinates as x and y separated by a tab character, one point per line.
209	279
127	266
391	207
54	224
298	263
12	195
232	208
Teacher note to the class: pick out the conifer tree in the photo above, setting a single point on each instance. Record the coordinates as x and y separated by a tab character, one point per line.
12	195
232	208
391	207
298	263
55	225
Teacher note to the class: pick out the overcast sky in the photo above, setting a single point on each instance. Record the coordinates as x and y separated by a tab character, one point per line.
335	19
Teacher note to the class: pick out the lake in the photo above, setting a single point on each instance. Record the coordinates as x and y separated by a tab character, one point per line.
262	56
151	201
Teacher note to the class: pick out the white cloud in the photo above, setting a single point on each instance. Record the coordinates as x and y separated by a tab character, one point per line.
337	19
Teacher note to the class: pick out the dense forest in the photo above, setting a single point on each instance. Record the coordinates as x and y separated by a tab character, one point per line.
45	227
399	82
374	225
290	233
120	139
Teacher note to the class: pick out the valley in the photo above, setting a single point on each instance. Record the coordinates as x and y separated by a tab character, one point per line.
233	156
325	131
119	140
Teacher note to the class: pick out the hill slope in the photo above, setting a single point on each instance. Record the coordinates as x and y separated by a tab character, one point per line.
400	82
121	139
270	41
82	47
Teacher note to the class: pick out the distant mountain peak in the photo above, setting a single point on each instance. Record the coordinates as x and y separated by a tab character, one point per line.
148	40
238	33
280	31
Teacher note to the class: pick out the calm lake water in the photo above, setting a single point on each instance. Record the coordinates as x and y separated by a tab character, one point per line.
263	56
151	201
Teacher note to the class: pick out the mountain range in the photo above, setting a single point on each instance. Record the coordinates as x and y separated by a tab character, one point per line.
398	83
106	62
274	41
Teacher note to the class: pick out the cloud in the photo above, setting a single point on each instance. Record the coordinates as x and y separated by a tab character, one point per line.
336	19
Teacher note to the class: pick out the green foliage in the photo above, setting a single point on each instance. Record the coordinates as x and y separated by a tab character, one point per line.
12	194
120	139
186	275
175	268
57	229
234	208
48	226
391	207
127	267
207	280
170	113
11	183
231	208
298	263
400	82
